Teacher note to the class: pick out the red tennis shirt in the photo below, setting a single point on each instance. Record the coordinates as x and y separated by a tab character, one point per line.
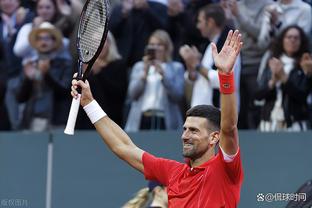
214	184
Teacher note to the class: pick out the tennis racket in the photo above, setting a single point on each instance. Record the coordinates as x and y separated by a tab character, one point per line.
92	33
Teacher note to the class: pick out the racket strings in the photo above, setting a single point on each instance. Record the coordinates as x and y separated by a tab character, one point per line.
92	29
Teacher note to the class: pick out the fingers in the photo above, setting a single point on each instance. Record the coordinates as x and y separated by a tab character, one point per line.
184	51
84	85
238	44
234	41
74	92
234	38
78	83
306	56
228	38
193	50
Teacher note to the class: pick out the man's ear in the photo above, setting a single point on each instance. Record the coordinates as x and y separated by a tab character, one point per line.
214	138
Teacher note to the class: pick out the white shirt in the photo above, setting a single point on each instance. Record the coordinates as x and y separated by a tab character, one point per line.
5	27
154	91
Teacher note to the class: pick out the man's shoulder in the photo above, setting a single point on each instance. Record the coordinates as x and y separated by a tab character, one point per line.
151	158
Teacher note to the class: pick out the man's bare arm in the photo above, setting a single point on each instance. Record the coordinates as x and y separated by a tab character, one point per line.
225	61
113	136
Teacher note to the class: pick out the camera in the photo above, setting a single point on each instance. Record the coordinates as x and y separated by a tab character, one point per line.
150	51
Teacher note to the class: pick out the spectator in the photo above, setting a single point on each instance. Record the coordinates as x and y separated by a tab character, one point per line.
12	18
248	16
182	24
156	88
46	80
29	4
202	76
155	192
283	85
282	14
132	23
4	121
226	5
109	83
46	12
70	12
306	65
68	24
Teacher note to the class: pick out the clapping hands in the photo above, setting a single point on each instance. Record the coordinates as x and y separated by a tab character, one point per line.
306	64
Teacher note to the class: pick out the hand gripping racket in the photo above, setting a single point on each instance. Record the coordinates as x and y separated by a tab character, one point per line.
92	33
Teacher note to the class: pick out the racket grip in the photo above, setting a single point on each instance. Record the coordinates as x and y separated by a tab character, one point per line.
71	122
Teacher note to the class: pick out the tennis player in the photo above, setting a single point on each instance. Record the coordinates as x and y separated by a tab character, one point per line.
208	179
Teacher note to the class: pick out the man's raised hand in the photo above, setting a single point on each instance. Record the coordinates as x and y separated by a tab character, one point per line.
225	60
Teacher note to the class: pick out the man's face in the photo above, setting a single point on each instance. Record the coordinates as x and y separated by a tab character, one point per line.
9	6
202	25
195	137
45	42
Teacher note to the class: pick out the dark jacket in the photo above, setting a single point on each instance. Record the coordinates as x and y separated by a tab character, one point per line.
294	96
13	63
4	120
48	98
132	32
182	27
109	88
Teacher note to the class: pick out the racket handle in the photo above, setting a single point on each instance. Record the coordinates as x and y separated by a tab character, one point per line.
71	122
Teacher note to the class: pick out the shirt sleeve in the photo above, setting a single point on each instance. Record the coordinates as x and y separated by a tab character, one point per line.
158	169
233	168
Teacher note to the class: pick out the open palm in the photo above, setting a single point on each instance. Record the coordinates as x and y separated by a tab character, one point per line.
225	60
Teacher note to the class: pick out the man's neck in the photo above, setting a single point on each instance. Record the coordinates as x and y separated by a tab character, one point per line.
214	34
204	158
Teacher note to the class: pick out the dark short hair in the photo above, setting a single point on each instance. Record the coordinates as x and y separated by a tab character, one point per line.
211	113
216	12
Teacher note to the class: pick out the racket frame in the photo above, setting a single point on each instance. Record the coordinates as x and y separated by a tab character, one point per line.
72	117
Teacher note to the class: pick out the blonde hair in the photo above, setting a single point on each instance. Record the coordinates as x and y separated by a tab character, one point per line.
139	200
113	53
165	39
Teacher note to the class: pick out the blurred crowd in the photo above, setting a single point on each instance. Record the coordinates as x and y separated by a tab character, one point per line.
157	62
